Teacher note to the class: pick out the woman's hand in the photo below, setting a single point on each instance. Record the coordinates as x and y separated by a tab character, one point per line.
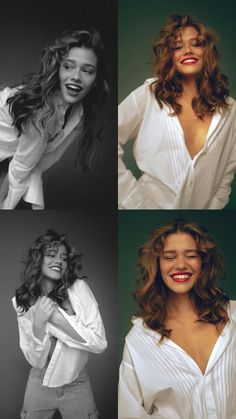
43	310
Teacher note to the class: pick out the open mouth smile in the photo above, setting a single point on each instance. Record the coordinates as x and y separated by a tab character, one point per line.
73	89
189	60
181	276
56	268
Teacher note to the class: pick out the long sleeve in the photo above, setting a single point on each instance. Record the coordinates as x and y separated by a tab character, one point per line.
87	322
27	155
35	351
221	197
132	194
130	403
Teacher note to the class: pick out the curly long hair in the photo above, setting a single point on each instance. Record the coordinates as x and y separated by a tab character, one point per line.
211	83
38	92
31	276
152	294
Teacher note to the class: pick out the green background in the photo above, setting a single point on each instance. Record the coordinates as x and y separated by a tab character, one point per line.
134	229
139	24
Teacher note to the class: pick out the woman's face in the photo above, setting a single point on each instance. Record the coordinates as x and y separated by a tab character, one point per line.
77	74
180	262
188	52
54	262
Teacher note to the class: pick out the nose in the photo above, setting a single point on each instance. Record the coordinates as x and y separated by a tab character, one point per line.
58	259
181	262
76	74
188	48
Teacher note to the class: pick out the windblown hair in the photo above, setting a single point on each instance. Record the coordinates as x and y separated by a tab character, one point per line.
211	83
37	92
30	290
153	295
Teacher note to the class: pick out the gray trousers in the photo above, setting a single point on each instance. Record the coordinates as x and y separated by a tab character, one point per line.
74	400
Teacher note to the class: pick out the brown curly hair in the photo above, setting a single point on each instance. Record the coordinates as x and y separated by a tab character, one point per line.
31	277
152	294
211	83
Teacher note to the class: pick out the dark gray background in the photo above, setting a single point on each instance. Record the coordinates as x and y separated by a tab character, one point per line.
94	235
26	28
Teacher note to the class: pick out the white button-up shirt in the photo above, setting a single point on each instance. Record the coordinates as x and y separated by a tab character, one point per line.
35	150
69	356
163	381
171	178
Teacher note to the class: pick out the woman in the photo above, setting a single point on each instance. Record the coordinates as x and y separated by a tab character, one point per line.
60	102
59	324
183	122
179	356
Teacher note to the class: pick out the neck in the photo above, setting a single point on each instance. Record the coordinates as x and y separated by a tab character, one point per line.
46	286
181	306
189	87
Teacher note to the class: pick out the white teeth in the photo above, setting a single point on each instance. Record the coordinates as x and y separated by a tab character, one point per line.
73	87
190	60
185	276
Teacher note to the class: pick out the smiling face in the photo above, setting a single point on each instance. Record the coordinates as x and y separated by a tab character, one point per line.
77	74
54	262
188	52
180	262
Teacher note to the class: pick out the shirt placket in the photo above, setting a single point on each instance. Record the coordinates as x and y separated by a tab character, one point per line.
210	406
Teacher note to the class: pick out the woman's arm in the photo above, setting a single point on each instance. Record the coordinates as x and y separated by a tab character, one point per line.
34	337
86	330
130	400
131	194
59	321
221	197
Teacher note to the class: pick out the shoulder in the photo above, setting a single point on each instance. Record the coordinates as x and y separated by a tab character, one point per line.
144	91
141	330
6	93
19	310
81	289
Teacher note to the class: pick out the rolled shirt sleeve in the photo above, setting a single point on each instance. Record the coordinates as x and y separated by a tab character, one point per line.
87	322
30	149
131	194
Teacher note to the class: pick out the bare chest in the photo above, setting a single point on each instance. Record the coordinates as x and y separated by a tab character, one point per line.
195	130
68	308
198	341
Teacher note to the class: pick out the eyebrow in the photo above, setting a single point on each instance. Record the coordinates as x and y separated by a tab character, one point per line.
74	62
174	251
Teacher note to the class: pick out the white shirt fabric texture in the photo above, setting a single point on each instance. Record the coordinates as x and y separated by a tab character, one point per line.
69	356
162	381
171	179
35	150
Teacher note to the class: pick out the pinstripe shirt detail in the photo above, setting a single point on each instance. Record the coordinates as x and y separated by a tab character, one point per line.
171	179
163	381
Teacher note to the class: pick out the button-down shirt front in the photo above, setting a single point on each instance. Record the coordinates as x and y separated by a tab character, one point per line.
35	150
171	178
69	356
160	380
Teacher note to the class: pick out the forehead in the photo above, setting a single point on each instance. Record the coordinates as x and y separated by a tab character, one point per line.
177	241
82	55
56	247
186	33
